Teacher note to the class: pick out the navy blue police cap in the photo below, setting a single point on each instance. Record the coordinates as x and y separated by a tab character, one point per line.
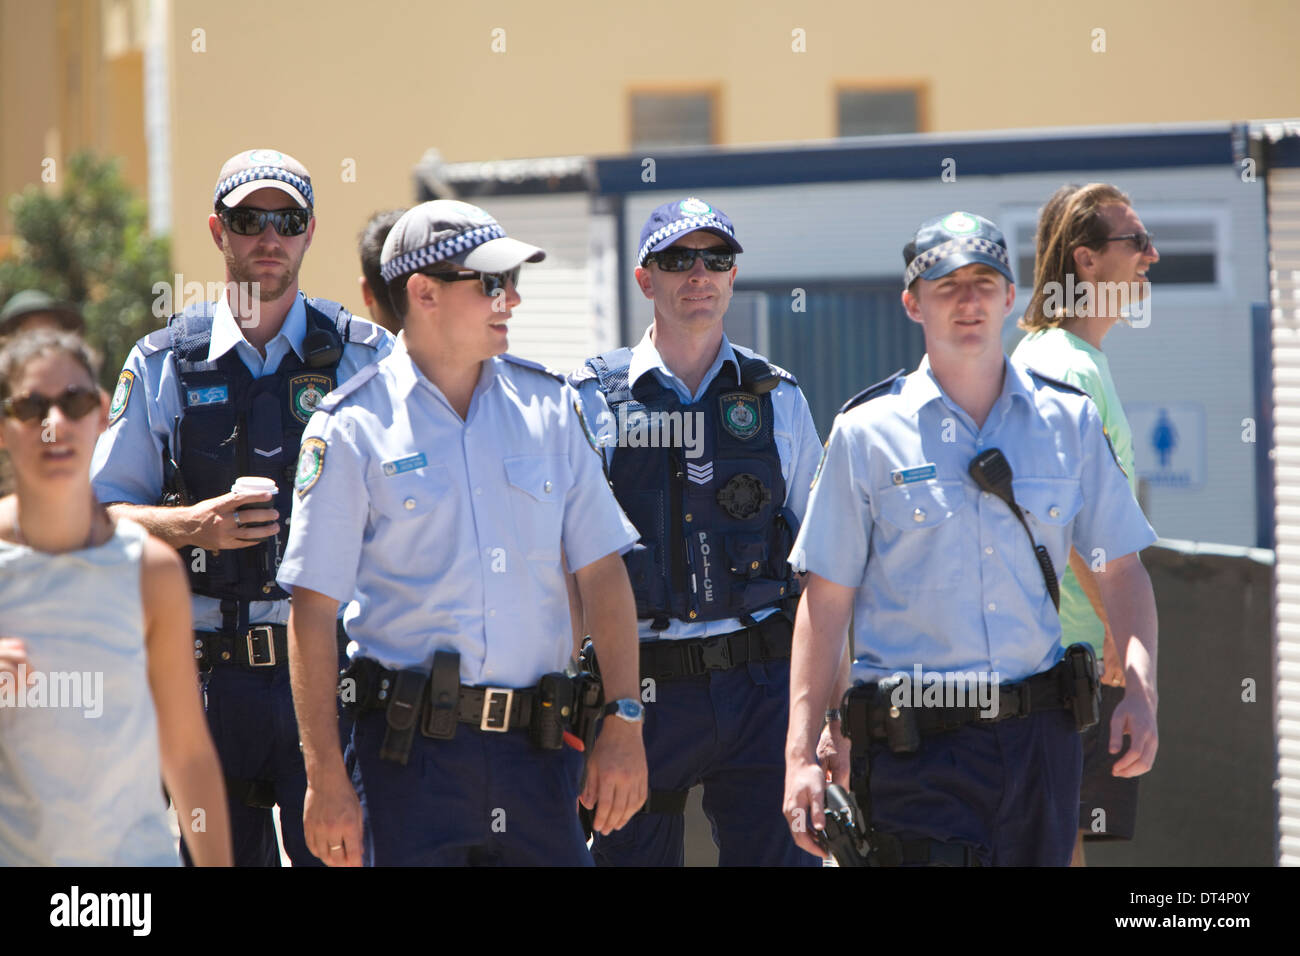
946	243
672	220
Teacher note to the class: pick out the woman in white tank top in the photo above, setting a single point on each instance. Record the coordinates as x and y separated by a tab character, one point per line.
99	700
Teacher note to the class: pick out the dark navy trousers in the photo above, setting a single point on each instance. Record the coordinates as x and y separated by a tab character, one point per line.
253	725
478	799
726	730
1010	790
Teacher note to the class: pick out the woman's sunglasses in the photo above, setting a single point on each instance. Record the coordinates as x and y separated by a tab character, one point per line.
243	221
681	259
76	402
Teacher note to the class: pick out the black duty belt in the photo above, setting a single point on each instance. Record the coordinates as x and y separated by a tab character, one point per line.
668	659
497	709
871	713
264	645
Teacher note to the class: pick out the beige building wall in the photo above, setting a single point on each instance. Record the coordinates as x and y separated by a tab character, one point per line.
70	79
360	91
378	84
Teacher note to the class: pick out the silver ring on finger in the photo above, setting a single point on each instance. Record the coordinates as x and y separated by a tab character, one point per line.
338	847
237	524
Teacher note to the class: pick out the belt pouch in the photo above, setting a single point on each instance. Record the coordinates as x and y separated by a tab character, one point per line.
902	732
444	696
552	708
401	714
1082	690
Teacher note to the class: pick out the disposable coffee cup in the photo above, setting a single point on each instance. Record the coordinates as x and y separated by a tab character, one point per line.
256	485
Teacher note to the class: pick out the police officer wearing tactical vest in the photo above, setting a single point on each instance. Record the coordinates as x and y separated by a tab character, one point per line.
711	450
947	501
449	487
223	392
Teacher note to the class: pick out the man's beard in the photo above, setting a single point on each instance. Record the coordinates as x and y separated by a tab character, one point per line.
243	274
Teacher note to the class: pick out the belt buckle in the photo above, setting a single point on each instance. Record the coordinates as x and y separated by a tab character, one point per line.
716	656
489	694
267	633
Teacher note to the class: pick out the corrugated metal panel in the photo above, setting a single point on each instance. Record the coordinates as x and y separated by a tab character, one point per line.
1284	279
848	336
1197	347
554	323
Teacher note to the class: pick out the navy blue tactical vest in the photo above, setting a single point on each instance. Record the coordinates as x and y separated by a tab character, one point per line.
715	532
236	425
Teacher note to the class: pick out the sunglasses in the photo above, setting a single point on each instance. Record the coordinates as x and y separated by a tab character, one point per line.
681	259
76	402
494	283
244	221
1142	240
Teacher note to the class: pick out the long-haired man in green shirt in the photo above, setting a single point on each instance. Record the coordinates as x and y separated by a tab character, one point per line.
1090	272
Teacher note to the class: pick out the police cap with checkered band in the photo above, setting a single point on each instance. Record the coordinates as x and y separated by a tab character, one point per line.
946	243
447	230
672	220
254	169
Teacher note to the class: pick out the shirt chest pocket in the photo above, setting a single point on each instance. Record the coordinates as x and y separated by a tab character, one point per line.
1050	506
919	545
412	494
537	488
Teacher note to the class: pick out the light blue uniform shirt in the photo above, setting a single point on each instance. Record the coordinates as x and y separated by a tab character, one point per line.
127	464
796	442
945	575
450	532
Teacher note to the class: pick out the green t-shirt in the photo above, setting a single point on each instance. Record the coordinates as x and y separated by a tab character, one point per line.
1063	355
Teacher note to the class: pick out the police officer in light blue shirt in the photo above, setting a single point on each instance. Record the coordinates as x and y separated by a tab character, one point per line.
914	529
448	488
224	391
711	450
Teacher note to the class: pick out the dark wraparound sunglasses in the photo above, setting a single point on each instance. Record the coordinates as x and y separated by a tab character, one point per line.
1142	240
76	402
493	282
681	259
243	221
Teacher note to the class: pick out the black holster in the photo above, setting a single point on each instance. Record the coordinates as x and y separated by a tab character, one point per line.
1082	686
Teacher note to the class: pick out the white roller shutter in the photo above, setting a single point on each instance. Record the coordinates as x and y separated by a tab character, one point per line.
1284	281
554	324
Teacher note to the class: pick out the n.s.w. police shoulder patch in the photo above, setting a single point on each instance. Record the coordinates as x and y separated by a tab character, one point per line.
586	426
741	414
1111	445
311	462
121	395
820	462
306	392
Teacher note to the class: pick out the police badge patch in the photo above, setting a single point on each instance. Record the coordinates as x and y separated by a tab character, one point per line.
311	462
586	427
121	395
306	392
741	414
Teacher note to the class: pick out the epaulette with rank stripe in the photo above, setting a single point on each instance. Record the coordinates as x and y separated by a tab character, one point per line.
361	332
331	401
871	391
1056	381
535	366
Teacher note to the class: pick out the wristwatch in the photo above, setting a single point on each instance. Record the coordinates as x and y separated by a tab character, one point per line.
626	708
